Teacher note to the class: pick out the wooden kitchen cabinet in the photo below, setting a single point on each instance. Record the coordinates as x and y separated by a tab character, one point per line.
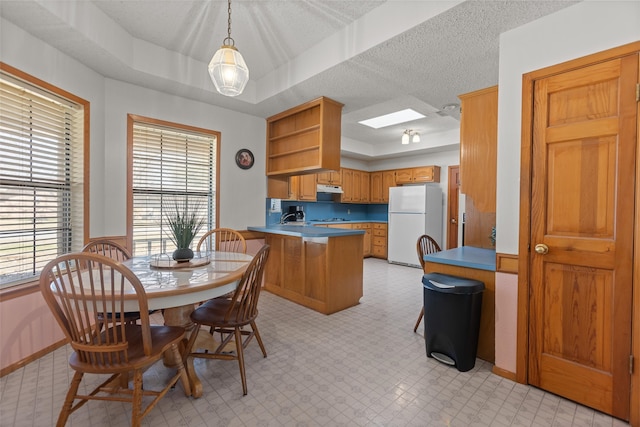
297	187
388	180
322	274
330	178
379	242
478	164
305	187
365	187
380	183
304	139
355	186
347	186
366	245
418	175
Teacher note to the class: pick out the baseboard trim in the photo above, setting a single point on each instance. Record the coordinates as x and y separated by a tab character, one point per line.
504	373
32	357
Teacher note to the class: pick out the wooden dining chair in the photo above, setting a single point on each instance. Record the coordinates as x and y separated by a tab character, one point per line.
229	316
222	239
425	245
79	286
114	251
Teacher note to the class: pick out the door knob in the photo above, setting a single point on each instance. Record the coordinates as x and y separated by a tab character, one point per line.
453	221
541	248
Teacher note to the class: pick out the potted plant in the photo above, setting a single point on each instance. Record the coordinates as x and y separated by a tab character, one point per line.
184	223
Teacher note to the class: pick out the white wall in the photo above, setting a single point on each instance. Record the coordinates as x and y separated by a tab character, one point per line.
242	192
585	28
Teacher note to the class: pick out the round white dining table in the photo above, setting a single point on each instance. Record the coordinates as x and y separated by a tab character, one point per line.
176	290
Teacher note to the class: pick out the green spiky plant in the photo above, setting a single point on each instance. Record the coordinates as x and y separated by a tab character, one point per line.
184	222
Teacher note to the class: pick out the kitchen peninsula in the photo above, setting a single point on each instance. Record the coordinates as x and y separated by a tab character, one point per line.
317	267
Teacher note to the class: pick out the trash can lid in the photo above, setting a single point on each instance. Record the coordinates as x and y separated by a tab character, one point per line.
451	284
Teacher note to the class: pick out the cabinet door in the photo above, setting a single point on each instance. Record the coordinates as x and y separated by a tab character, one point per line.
335	177
330	178
278	187
404	176
478	145
347	185
365	187
376	187
388	180
307	187
426	174
355	183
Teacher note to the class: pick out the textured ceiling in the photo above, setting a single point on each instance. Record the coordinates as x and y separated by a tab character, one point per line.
375	57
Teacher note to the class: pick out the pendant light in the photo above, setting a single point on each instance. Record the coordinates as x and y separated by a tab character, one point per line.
227	68
410	134
405	137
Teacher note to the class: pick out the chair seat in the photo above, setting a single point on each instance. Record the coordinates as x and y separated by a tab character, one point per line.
214	311
162	339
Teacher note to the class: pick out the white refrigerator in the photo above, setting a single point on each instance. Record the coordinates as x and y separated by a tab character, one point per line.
414	210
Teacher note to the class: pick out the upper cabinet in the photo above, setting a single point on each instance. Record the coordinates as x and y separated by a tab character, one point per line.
478	145
419	174
380	183
304	139
330	178
478	162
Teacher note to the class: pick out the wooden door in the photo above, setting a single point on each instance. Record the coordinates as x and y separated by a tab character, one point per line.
581	259
453	195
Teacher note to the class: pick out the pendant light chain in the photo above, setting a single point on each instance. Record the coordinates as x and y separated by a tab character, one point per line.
231	42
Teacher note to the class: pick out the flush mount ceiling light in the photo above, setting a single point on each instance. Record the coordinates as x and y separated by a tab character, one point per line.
227	68
392	118
410	134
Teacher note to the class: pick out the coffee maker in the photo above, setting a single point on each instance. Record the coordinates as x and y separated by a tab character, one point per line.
298	211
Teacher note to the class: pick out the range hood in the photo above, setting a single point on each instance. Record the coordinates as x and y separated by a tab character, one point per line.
329	189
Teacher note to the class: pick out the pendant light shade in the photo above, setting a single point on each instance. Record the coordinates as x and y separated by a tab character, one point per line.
228	71
227	68
410	135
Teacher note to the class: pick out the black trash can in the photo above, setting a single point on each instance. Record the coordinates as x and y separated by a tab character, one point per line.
452	307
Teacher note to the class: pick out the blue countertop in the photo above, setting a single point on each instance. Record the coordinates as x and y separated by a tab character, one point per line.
466	256
305	231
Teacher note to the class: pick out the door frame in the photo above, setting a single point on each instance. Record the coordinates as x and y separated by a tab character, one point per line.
450	196
522	341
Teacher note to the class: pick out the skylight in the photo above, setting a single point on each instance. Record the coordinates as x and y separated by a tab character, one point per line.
392	118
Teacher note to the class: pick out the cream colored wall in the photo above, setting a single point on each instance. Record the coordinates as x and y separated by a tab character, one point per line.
585	28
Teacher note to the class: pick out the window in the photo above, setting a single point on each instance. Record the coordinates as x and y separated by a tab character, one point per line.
42	175
169	163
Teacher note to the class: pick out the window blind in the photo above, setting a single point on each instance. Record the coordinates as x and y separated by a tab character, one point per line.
169	166
41	179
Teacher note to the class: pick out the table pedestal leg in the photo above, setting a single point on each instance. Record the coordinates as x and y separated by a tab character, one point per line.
180	316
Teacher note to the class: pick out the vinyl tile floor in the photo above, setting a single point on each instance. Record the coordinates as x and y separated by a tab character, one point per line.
363	366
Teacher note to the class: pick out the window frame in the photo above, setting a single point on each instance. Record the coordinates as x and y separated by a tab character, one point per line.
137	119
31	286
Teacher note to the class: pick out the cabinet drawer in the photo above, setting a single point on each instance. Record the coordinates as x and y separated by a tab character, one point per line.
379	241
379	251
377	232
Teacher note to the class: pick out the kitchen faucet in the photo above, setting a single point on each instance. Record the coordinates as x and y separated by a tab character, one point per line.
283	217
